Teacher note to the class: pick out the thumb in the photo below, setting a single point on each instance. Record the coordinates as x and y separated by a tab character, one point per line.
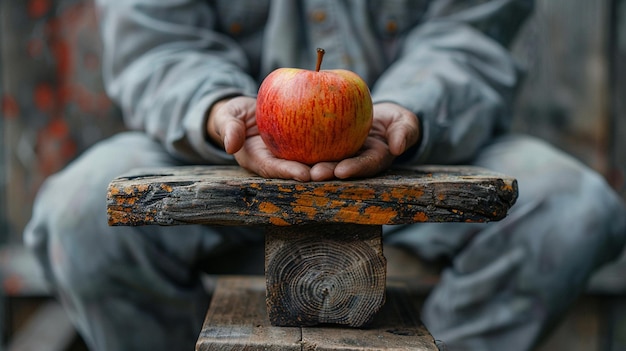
402	127
227	123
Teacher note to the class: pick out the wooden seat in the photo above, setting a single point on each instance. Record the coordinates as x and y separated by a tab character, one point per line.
237	320
324	261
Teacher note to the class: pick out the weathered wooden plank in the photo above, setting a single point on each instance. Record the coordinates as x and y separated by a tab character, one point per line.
228	195
396	327
324	274
237	320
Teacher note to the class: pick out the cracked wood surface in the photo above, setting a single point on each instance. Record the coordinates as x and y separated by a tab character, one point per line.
229	195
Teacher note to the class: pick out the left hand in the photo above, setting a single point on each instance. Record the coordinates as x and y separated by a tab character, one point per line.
394	130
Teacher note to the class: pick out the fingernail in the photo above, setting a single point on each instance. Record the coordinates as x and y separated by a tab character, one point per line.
402	146
226	142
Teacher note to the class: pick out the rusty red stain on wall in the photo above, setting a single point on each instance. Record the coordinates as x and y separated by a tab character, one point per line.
55	146
10	107
38	8
44	97
61	51
54	92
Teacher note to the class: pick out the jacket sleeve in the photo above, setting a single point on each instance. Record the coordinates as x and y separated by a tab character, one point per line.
455	72
165	66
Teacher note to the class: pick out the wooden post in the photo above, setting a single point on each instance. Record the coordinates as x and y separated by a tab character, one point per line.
324	274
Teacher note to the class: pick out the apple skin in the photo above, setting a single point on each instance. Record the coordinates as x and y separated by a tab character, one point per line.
313	116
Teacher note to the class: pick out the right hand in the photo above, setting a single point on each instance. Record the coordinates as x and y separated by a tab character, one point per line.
232	125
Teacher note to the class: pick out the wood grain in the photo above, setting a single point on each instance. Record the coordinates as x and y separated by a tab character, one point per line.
237	320
324	274
228	195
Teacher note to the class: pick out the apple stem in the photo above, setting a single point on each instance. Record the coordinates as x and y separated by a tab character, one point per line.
320	55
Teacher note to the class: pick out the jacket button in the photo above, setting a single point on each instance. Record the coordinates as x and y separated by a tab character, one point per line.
391	26
318	16
235	28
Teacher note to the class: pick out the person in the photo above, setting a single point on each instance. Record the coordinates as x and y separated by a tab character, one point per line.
185	74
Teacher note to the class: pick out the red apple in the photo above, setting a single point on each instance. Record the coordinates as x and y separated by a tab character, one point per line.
313	116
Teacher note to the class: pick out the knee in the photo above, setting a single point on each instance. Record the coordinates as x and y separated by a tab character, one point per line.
69	234
543	171
74	199
68	231
599	211
575	205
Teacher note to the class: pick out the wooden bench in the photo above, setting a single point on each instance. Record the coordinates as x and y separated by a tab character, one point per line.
324	261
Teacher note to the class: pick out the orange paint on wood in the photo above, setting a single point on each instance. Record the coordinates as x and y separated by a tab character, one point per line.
420	217
379	214
406	193
360	194
278	221
285	189
348	214
268	207
309	211
325	189
507	187
134	189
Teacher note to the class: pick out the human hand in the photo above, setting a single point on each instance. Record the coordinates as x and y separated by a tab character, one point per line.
232	125
394	130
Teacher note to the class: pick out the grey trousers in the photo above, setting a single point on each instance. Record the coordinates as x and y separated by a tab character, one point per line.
508	282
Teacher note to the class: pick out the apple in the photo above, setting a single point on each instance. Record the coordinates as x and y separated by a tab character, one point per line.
313	116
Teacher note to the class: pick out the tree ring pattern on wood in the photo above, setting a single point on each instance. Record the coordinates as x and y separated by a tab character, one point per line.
324	281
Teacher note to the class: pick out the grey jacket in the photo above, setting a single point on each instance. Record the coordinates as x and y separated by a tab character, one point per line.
167	61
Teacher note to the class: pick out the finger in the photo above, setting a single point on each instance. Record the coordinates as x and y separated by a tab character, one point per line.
233	133
403	131
323	171
401	136
273	167
255	157
232	122
372	160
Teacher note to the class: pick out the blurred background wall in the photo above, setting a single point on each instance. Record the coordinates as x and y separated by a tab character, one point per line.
52	103
575	53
